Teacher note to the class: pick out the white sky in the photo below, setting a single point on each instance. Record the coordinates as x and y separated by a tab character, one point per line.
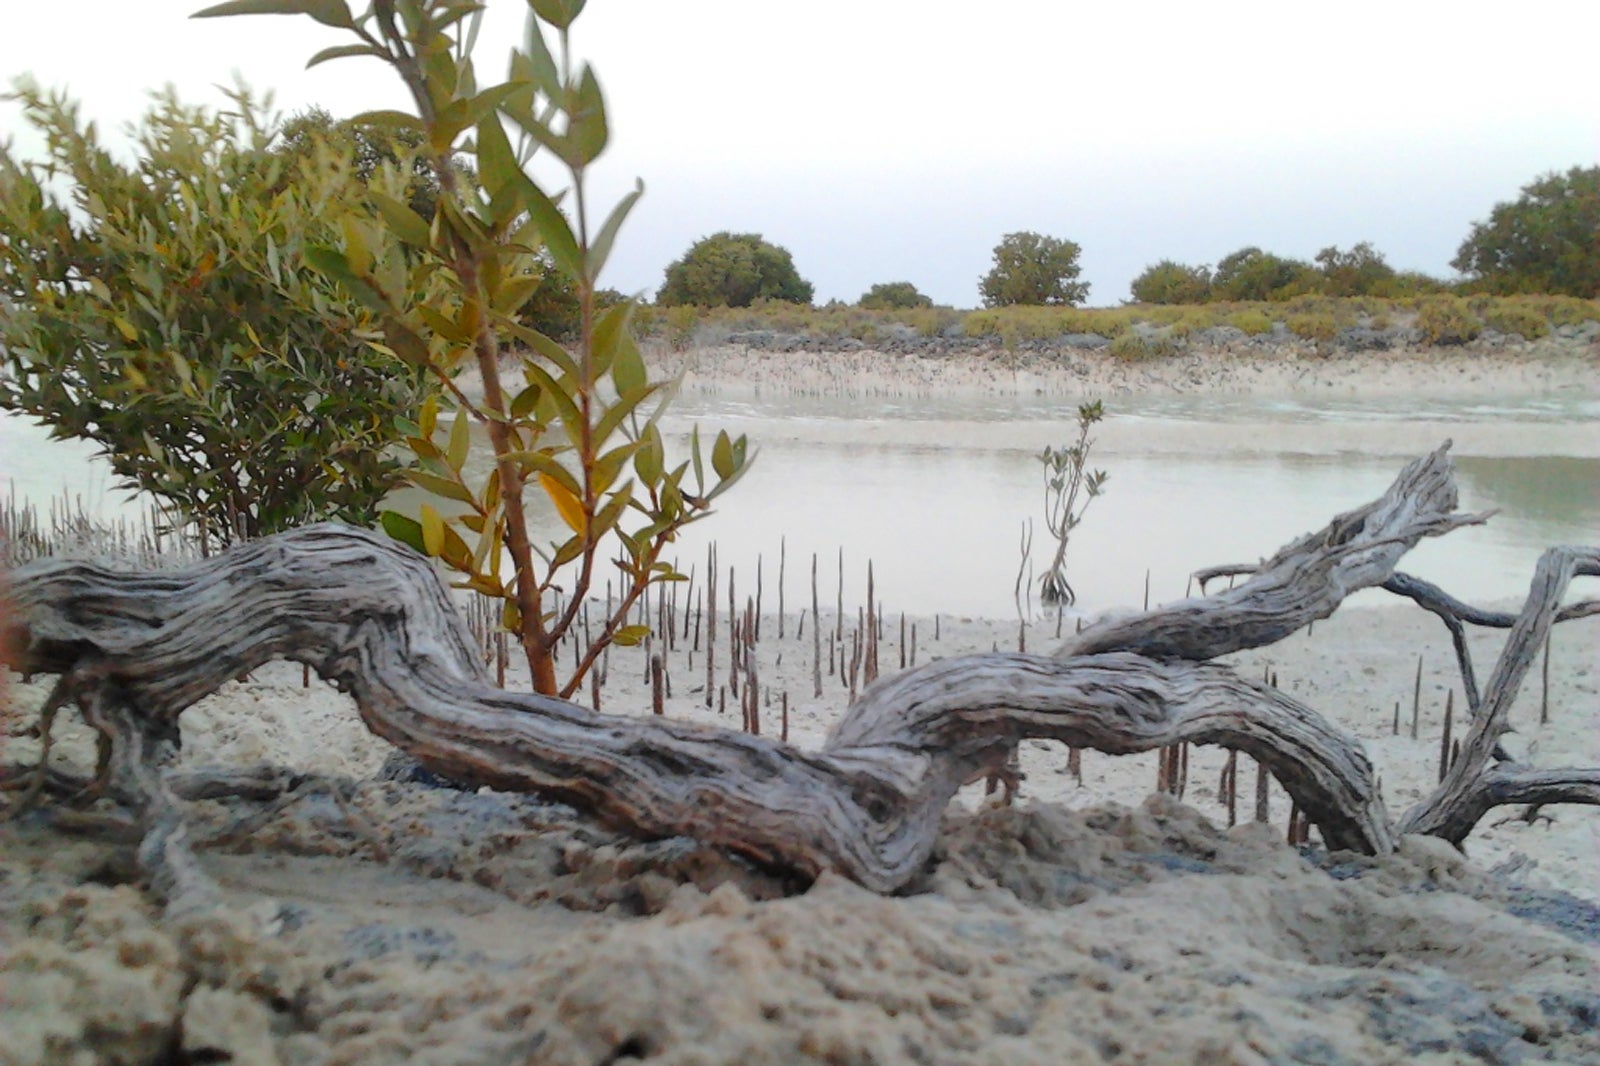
884	140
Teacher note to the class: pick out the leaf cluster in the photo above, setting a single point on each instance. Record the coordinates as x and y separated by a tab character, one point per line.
1031	269
162	308
1168	282
1545	241
733	270
1070	487
1448	320
1251	274
575	427
891	295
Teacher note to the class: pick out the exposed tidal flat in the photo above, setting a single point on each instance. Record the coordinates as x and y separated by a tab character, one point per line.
384	922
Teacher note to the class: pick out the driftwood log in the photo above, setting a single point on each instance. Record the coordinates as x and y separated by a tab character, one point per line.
133	650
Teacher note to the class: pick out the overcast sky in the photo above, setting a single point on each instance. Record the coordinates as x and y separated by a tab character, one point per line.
883	140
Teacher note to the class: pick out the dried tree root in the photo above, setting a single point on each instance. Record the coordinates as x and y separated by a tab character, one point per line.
1482	777
1456	616
372	617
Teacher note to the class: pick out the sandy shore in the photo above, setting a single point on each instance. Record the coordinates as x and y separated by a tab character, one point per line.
1437	372
1093	921
372	922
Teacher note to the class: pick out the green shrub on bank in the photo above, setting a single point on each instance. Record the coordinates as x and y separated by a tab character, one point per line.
1133	346
1316	318
679	326
1168	282
1447	320
1252	322
1317	326
834	321
893	295
1564	310
1189	323
163	308
1033	270
1544	241
1510	316
1014	325
733	270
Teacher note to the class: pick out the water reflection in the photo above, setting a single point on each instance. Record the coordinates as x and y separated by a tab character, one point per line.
1550	493
943	528
936	492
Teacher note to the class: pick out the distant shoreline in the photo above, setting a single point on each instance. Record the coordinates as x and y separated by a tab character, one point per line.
1551	365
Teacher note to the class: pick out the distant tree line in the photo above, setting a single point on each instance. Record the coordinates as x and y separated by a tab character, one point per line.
1253	274
1546	241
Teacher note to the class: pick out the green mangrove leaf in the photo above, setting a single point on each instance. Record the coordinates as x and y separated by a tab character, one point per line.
630	636
440	486
600	249
567	552
523	402
401	219
559	13
328	12
497	163
627	369
546	347
694	456
587	131
344	51
428	416
722	456
625	405
406	530
534	63
647	463
607	466
396	120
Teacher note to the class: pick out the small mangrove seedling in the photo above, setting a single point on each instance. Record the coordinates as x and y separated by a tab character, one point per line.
1069	488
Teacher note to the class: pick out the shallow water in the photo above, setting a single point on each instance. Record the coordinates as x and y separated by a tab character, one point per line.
935	492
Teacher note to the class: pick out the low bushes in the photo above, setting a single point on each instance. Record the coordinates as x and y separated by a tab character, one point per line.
1439	319
1134	346
1447	320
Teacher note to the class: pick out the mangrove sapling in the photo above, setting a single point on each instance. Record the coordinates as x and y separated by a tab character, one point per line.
451	290
1067	477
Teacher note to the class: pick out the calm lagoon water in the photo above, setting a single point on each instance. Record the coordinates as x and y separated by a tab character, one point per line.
935	493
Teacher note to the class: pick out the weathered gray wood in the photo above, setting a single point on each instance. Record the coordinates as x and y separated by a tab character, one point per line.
1483	776
1456	616
372	617
1305	581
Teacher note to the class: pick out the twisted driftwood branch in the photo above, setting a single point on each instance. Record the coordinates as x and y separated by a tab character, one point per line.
1304	582
1483	776
1455	614
373	618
